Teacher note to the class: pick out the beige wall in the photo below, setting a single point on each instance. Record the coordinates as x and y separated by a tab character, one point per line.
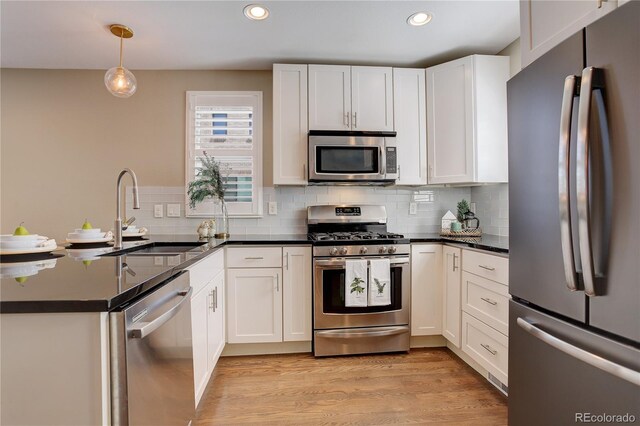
64	139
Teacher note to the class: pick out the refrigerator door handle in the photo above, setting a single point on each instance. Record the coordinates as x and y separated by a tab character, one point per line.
570	92
594	360
592	80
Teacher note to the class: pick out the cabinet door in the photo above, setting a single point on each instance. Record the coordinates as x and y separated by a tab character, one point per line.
372	98
200	307
329	97
254	305
410	121
215	322
290	124
450	122
545	24
451	280
296	283
426	289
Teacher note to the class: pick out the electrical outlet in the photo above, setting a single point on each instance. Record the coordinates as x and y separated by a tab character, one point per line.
158	260
158	211
413	208
273	207
173	210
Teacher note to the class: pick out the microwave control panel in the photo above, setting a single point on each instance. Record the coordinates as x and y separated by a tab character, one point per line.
392	160
348	211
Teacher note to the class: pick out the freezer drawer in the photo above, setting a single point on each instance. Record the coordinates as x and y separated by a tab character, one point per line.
548	386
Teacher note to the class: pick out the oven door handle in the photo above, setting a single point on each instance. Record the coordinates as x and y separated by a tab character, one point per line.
341	262
350	333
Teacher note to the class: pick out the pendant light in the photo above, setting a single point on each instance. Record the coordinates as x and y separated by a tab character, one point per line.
120	81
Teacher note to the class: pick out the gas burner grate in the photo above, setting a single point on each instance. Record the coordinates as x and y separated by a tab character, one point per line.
352	236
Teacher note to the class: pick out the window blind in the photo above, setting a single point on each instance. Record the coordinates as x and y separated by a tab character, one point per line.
228	127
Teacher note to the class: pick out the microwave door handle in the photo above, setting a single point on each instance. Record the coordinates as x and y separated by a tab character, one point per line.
383	160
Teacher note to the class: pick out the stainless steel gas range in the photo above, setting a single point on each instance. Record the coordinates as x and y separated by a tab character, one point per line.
347	232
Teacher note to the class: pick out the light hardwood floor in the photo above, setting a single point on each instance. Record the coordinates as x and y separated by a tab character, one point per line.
425	386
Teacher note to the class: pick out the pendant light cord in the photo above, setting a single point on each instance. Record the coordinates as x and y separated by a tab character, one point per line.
120	50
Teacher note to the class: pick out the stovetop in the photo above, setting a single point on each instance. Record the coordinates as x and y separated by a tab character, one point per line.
353	236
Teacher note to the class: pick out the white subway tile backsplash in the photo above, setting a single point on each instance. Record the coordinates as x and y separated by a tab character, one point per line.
491	201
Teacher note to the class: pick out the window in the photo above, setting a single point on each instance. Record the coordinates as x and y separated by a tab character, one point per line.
228	127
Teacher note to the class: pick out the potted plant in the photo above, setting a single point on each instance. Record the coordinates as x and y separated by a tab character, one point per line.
208	184
463	209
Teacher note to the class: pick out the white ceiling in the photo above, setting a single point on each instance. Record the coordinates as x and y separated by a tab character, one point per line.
216	35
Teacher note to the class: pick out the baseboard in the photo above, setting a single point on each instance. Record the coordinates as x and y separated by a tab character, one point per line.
241	349
427	341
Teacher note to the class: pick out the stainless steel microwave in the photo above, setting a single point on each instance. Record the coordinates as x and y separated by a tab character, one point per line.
357	158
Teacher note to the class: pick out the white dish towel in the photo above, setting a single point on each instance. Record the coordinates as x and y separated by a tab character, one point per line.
380	282
355	283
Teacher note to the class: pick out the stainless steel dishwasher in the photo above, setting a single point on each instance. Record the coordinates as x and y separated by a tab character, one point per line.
152	358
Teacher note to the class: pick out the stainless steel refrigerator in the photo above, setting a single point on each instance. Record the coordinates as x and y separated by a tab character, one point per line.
574	207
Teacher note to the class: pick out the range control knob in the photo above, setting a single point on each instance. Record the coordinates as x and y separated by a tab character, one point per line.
333	251
382	250
344	251
393	249
363	250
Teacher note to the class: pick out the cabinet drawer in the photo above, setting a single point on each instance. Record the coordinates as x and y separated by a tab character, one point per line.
254	257
201	273
486	300
486	346
485	265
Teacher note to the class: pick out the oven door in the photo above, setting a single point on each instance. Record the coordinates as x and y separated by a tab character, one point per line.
330	311
348	158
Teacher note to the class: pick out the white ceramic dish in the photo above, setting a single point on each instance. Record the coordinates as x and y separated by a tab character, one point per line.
82	236
25	269
88	254
48	247
89	240
22	244
92	231
131	234
10	237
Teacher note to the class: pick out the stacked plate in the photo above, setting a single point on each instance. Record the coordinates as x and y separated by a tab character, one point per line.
89	236
26	244
133	232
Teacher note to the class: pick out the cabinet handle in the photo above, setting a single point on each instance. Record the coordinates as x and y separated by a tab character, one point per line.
215	298
212	306
287	261
455	256
430	170
254	258
277	278
355	119
488	268
346	119
488	348
489	301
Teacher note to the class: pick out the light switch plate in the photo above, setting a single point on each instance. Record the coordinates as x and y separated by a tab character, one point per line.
273	207
413	208
173	210
158	210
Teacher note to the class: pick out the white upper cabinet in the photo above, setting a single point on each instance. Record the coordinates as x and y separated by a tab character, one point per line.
467	120
290	124
372	98
342	97
410	119
329	97
544	24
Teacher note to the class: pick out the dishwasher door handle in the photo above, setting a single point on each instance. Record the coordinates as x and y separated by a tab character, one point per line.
146	328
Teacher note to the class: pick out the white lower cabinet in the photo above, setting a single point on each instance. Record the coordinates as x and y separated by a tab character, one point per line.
451	280
426	289
273	303
207	318
254	305
296	283
486	346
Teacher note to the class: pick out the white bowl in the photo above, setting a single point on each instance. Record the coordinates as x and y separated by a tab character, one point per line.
31	237
21	244
93	231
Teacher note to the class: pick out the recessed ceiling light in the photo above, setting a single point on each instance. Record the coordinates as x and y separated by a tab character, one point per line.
419	18
256	12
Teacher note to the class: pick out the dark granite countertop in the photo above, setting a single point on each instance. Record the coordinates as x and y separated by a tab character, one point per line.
487	242
87	279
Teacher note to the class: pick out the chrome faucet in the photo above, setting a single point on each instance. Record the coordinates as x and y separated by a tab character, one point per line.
117	236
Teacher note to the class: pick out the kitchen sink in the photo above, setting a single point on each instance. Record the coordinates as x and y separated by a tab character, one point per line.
159	249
